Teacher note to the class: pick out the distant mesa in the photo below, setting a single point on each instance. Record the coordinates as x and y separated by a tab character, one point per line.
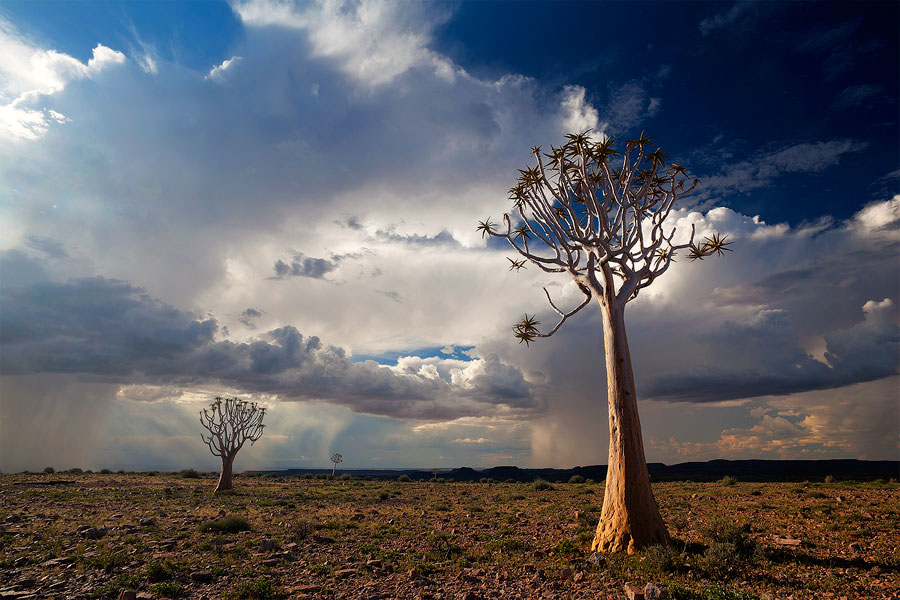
714	470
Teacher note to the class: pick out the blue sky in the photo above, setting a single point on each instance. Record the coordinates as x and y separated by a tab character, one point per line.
279	200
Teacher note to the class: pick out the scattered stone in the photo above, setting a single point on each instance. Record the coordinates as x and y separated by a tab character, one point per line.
14	518
94	533
374	564
344	573
268	545
633	592
127	595
308	589
854	546
117	516
654	592
202	576
596	558
566	573
270	562
285	556
149	521
786	541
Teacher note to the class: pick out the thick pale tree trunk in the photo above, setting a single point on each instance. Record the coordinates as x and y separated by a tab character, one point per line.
225	476
630	518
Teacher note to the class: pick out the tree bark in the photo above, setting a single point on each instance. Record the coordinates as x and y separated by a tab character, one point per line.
225	476
630	518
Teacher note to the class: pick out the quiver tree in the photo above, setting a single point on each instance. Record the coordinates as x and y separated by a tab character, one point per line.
335	458
231	422
600	216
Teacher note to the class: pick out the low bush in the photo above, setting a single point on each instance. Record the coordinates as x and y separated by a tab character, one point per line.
660	559
303	530
226	525
257	589
566	548
158	570
169	589
111	588
576	479
404	478
728	480
190	473
542	485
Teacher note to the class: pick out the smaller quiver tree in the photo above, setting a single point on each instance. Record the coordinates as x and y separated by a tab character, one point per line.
335	458
231	422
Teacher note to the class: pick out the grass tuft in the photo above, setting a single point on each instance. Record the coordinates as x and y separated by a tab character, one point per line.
226	525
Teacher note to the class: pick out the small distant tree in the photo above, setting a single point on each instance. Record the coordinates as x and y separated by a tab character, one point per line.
599	216
335	458
231	422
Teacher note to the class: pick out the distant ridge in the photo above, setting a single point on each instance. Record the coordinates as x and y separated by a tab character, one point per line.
743	470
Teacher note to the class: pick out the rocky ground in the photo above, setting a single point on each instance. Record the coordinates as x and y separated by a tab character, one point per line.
163	535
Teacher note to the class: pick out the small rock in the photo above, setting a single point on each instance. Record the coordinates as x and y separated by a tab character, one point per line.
786	541
579	576
566	573
127	595
374	564
268	545
148	522
270	562
285	556
94	533
344	573
854	546
633	592
596	559
654	592
116	516
202	576
309	589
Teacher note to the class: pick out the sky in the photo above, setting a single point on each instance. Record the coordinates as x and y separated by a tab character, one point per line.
278	201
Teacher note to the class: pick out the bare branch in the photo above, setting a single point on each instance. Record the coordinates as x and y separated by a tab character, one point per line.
605	226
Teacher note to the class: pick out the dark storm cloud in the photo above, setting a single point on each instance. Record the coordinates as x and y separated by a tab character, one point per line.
249	316
112	331
48	246
305	266
764	167
763	357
